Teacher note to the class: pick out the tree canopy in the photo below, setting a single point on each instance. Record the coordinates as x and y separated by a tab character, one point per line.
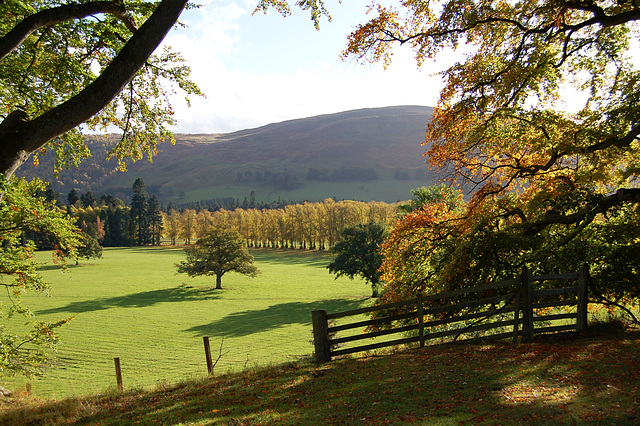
358	253
67	63
222	250
541	116
24	212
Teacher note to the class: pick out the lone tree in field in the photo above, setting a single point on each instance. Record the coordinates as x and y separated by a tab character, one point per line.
63	64
358	253
220	251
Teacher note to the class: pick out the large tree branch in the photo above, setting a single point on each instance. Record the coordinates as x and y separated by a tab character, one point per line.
620	142
20	32
622	195
19	137
600	16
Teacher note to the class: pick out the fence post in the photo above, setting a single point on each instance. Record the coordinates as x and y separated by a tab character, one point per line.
583	298
118	374
517	307
321	335
207	354
527	305
420	320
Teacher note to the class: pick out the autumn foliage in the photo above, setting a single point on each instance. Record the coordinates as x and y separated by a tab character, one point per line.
310	225
539	121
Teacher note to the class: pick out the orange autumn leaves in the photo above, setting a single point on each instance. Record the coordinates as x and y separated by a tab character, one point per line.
412	251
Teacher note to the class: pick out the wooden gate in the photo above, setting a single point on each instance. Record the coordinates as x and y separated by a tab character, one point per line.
519	301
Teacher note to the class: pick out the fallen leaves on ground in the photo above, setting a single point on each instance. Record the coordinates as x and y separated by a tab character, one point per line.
562	380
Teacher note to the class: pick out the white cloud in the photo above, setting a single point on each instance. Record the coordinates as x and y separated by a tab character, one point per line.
260	69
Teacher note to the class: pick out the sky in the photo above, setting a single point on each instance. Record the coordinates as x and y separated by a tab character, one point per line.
260	69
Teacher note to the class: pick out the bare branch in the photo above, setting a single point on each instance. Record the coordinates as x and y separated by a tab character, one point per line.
220	354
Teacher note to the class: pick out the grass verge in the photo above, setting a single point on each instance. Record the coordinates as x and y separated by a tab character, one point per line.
566	379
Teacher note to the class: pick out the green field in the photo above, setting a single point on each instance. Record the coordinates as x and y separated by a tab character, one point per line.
131	304
383	189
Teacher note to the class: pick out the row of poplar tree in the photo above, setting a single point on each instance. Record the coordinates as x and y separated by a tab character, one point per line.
309	225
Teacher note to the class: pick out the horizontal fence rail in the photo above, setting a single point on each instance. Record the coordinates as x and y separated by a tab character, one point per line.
518	299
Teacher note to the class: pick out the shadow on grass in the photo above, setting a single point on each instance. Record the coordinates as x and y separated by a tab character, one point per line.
311	258
249	322
570	382
147	249
69	266
138	300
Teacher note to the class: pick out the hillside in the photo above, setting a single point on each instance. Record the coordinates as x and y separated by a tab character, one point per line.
589	380
366	154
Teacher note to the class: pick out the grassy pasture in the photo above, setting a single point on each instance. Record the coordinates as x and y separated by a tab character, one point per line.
131	304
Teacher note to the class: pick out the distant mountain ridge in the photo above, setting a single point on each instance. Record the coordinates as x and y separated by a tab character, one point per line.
365	154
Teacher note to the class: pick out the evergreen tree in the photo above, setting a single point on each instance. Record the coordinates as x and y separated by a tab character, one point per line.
73	197
88	199
104	217
154	216
49	194
118	226
139	214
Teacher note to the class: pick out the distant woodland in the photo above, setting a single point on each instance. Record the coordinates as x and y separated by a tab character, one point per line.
310	225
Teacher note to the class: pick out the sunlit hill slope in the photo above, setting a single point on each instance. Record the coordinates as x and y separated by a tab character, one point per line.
365	154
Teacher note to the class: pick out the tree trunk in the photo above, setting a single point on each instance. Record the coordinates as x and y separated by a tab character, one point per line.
219	282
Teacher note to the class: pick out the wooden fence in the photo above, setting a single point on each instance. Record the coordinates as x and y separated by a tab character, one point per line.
517	299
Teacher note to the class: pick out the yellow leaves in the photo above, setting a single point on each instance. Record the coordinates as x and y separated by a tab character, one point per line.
413	247
499	117
370	41
508	146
